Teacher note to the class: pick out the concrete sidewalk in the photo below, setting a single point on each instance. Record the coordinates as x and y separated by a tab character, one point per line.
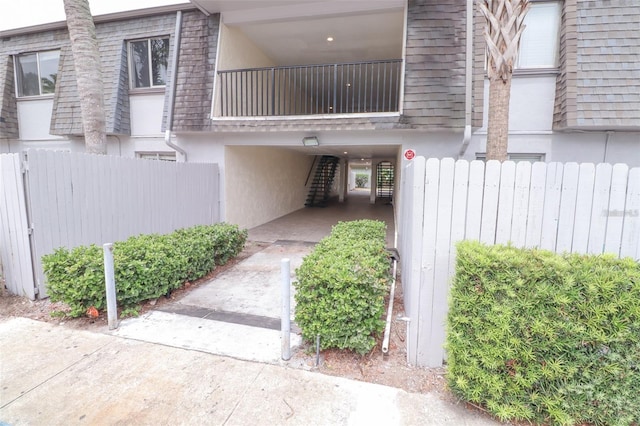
55	375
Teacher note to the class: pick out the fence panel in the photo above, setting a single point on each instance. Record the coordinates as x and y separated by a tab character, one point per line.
412	262
77	199
551	213
536	204
615	213
427	279
505	203
602	188
568	199
584	201
572	208
15	249
631	224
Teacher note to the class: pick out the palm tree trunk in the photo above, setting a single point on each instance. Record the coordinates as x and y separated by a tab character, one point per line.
498	126
504	26
86	58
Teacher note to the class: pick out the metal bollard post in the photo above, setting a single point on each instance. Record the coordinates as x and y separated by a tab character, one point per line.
285	318
110	283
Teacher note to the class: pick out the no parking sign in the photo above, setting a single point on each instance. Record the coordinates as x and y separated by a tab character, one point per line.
409	154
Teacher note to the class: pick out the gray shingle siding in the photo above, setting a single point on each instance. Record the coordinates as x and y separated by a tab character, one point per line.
8	109
112	41
196	68
600	64
435	65
478	69
14	45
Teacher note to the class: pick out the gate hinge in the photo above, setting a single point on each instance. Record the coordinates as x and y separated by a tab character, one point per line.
36	290
24	166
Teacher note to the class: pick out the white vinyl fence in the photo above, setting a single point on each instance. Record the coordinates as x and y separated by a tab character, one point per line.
570	207
54	199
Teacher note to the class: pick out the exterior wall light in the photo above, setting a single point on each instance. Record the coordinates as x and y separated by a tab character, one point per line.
310	141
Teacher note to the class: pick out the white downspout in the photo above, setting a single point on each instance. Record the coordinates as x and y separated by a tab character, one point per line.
468	78
172	89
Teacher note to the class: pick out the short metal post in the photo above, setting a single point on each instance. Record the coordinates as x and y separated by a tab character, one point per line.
109	279
285	319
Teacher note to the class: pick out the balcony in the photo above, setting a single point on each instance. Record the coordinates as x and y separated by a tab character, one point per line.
345	88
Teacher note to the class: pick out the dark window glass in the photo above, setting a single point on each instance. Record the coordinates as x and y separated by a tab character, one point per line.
149	61
140	63
159	60
36	73
48	70
27	75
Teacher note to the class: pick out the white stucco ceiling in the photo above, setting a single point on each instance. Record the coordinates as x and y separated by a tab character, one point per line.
295	32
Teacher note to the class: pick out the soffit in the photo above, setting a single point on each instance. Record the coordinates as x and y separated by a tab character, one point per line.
295	32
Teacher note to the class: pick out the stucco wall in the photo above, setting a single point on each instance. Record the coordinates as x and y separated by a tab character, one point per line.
580	147
263	183
531	104
146	113
34	116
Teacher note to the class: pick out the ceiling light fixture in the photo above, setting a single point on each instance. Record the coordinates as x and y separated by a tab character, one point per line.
329	39
310	141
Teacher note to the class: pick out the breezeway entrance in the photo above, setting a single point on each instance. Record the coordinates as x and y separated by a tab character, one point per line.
312	224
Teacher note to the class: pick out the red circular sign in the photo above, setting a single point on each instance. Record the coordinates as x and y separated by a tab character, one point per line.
409	154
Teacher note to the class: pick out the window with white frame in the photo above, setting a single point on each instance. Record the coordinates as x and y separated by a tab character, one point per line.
539	44
148	60
36	73
516	157
161	156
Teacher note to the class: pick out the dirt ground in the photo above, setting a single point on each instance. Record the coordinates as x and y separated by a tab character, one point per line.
391	369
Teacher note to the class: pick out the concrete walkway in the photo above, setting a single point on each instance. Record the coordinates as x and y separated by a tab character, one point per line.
58	376
236	314
211	358
312	224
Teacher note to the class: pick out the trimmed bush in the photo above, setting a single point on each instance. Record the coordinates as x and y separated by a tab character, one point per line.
361	180
543	337
146	266
341	285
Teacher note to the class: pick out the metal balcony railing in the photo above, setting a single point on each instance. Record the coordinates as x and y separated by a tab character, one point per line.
361	87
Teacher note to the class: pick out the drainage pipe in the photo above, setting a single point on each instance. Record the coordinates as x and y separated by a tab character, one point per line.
172	89
387	328
468	78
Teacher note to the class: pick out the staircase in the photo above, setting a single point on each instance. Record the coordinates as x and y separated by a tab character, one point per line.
322	181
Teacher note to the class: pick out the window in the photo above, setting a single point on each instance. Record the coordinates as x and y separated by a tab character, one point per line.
148	61
516	157
36	73
162	156
539	41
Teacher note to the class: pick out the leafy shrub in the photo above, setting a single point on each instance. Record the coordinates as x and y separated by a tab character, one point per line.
543	337
145	266
341	285
361	180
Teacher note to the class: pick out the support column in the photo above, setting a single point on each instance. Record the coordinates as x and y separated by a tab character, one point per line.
343	180
374	181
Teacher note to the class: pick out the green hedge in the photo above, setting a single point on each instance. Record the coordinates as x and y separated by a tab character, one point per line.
341	286
543	337
146	266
